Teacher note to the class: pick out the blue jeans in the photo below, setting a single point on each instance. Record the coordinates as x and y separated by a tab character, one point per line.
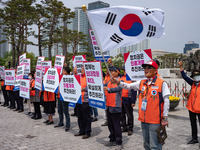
150	137
95	111
63	108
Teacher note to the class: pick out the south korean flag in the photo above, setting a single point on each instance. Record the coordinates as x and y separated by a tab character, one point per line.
122	26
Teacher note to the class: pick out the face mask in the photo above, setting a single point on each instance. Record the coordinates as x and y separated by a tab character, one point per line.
29	77
197	78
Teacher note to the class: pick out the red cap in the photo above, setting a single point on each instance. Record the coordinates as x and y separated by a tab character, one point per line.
151	63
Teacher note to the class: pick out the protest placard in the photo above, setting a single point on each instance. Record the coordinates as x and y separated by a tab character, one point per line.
133	64
27	63
24	88
19	75
78	58
94	79
59	61
2	72
21	57
9	76
46	64
51	80
39	60
70	89
96	49
38	79
79	65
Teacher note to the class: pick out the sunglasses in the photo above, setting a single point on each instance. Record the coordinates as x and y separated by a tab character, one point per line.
148	67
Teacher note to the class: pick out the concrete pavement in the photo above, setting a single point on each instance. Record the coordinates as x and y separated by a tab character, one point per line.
19	132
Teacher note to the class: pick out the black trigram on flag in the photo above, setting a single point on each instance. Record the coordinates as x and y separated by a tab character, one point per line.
110	18
148	12
152	31
116	38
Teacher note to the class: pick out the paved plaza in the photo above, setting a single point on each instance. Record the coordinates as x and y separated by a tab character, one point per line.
19	132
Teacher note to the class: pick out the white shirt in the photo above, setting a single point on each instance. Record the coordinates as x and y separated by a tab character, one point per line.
165	92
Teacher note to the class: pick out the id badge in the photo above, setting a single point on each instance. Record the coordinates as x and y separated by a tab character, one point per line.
144	105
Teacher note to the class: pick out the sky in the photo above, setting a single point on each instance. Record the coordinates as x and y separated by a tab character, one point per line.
182	22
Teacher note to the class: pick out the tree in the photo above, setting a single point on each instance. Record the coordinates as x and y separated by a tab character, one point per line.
78	40
56	11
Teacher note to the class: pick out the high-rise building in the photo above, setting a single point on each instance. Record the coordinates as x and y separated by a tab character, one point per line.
190	46
145	44
97	5
81	23
3	46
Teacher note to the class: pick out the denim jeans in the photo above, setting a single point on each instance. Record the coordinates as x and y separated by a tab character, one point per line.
95	111
63	108
150	137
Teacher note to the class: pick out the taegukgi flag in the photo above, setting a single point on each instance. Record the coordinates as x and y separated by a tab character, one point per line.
121	26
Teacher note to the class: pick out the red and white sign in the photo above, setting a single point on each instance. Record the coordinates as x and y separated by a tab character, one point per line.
38	79
46	64
27	63
70	89
24	88
59	62
133	64
9	76
78	58
21	59
39	60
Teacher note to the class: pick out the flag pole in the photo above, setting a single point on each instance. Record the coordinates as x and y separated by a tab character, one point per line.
84	8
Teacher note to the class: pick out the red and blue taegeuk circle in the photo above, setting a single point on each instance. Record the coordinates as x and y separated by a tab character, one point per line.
131	25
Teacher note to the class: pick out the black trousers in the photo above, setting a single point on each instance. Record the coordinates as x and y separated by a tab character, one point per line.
127	110
11	99
18	100
75	110
84	119
5	95
37	109
114	127
193	121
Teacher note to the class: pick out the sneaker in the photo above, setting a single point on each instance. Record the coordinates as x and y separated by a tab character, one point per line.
119	147
105	123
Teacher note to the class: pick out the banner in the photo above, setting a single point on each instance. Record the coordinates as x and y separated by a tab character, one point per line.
79	66
46	64
70	89
9	76
19	75
38	79
51	80
27	63
96	49
24	88
133	64
39	60
21	59
2	72
94	79
121	26
78	58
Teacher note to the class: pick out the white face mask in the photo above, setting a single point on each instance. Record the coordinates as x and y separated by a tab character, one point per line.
29	77
197	78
